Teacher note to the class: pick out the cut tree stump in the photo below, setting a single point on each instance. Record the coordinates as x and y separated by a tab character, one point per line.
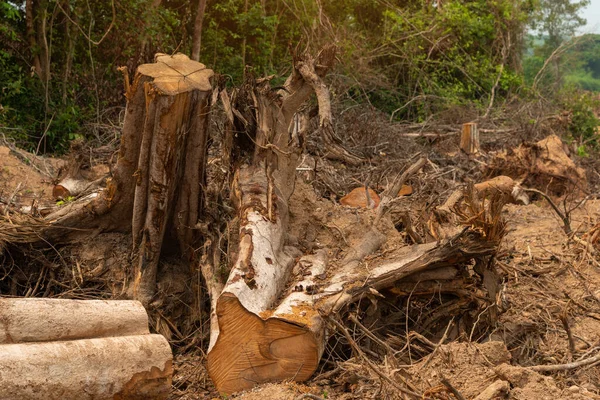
73	349
170	170
469	139
156	186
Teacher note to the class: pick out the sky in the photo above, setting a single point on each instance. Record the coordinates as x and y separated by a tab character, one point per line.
592	14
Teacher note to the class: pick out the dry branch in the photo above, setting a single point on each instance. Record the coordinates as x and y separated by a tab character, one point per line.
333	145
567	366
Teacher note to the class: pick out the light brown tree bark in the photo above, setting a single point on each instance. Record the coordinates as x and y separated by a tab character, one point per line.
45	320
124	367
197	36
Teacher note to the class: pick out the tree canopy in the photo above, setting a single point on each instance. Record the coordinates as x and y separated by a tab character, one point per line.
412	59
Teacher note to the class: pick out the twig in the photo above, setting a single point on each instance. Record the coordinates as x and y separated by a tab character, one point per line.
370	334
369	363
563	217
437	346
567	366
88	36
559	50
390	194
44	135
565	321
451	388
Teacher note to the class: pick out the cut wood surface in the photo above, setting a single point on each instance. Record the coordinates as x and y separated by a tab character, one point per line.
43	320
125	367
469	139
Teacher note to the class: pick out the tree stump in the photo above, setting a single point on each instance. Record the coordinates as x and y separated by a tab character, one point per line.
469	139
160	171
171	163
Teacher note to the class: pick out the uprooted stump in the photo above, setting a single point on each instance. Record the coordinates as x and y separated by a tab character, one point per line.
285	340
70	349
268	318
544	165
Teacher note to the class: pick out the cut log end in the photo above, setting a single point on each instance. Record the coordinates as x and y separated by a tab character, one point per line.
174	74
250	350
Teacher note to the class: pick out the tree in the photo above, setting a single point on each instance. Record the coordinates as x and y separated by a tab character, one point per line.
197	37
557	20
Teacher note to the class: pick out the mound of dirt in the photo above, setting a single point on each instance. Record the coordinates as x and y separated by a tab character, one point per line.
23	181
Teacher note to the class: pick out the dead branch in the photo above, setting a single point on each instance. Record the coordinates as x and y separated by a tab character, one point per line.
567	366
371	365
392	192
564	217
333	144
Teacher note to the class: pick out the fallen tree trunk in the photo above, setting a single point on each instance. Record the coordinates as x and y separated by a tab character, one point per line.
125	367
286	340
73	349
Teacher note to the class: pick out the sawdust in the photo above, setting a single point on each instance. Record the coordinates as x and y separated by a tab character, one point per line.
275	391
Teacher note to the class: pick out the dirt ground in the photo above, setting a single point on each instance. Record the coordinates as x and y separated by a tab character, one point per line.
547	306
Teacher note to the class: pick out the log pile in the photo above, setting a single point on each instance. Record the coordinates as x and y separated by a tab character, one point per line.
72	349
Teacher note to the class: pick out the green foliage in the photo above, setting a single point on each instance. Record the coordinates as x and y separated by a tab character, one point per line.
412	59
450	54
583	123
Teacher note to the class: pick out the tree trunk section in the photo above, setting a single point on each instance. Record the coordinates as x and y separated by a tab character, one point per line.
244	348
45	320
171	163
125	367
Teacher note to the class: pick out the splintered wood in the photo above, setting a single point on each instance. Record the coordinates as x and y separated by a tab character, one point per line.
73	349
172	158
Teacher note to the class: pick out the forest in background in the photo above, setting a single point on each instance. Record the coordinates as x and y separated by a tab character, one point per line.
414	60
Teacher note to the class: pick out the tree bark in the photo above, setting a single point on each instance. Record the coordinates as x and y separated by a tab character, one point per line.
197	37
46	320
31	37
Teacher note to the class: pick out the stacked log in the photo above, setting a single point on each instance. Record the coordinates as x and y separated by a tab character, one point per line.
73	349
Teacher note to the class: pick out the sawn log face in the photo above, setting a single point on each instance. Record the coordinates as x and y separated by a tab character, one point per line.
251	350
